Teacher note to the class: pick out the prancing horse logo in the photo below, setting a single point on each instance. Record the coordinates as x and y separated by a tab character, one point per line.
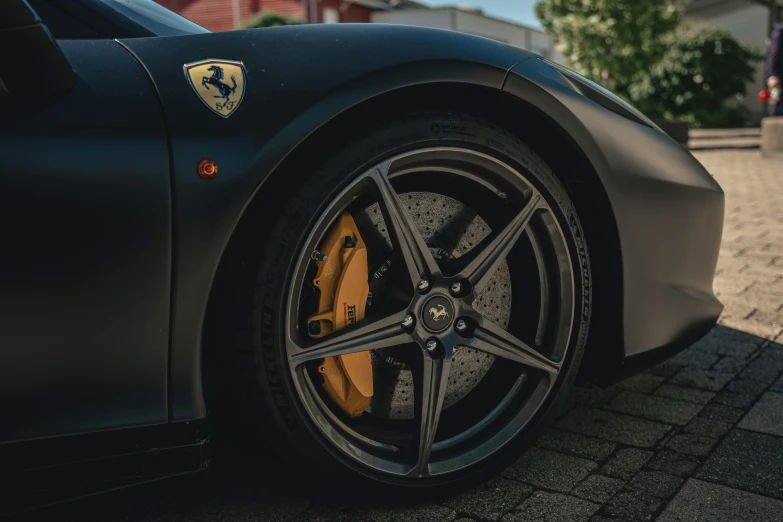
219	84
438	313
217	80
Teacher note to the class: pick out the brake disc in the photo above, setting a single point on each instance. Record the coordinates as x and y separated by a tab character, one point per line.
451	229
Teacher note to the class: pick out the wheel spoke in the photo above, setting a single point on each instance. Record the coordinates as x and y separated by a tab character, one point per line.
430	388
405	235
482	267
490	338
379	334
453	230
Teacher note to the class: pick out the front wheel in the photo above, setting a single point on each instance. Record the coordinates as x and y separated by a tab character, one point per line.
421	307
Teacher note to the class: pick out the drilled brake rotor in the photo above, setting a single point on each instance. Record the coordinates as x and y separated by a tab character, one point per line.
450	229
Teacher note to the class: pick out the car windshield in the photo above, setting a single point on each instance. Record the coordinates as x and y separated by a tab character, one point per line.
154	17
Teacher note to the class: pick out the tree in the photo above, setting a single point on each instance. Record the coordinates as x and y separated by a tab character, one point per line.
700	74
269	19
610	41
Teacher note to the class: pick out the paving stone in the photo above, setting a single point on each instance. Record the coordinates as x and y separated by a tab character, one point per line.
702	379
729	287
643	382
671	391
700	501
420	513
766	416
763	368
767	277
735	400
746	386
655	484
731	365
707	427
655	408
692	444
589	448
626	463
773	350
756	326
632	505
614	427
490	500
673	462
721	413
597	488
768	321
759	298
320	514
731	314
748	460
778	385
727	341
550	470
694	358
552	507
665	369
594	397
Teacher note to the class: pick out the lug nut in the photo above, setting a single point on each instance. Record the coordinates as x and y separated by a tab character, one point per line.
317	256
461	325
407	322
423	285
432	345
456	289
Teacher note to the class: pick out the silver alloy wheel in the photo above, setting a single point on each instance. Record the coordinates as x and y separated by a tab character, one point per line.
539	361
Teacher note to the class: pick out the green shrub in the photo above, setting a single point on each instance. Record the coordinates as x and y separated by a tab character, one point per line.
610	41
639	50
269	19
701	78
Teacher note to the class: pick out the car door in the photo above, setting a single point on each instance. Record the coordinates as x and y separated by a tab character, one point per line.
85	256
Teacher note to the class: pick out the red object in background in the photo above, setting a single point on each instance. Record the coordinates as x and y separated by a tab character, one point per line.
219	15
764	95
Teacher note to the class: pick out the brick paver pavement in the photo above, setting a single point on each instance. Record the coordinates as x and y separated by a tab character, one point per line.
697	438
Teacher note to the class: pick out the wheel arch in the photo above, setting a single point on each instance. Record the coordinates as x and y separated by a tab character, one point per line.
515	115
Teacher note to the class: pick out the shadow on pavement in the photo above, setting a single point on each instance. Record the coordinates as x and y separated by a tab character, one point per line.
729	369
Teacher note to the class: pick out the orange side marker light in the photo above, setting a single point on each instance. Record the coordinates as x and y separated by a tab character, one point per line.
207	168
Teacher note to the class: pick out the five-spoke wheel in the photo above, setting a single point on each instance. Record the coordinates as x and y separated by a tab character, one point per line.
478	283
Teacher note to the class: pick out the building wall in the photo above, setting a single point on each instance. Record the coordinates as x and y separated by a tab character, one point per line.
347	13
220	15
747	22
437	18
471	22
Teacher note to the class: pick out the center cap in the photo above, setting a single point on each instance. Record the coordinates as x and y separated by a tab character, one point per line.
438	313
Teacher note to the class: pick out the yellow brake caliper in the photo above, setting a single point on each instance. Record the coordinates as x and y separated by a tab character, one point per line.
342	279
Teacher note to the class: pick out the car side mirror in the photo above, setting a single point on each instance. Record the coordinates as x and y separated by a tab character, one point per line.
31	62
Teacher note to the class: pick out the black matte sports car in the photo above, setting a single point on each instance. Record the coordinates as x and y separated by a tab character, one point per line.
393	249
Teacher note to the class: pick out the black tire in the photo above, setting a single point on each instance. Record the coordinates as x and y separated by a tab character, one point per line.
271	403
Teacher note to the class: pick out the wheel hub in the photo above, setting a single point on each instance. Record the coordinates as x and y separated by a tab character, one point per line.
438	313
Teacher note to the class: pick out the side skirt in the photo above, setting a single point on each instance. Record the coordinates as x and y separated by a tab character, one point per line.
40	473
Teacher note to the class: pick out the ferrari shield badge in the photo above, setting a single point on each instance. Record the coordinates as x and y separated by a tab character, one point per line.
220	84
